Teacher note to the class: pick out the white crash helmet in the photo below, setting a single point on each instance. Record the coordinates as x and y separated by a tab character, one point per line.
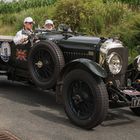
48	21
28	19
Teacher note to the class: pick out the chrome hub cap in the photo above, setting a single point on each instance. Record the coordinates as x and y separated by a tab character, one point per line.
39	64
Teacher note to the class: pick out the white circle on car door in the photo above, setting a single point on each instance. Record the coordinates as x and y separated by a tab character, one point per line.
5	51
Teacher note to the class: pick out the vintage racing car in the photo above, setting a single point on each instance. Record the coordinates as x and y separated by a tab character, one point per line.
89	74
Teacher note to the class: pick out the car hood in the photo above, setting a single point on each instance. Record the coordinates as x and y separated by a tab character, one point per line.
84	40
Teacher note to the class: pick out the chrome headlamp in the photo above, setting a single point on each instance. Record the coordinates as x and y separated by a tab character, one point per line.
114	61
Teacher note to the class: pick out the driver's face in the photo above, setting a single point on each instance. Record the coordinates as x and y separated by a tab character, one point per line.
28	25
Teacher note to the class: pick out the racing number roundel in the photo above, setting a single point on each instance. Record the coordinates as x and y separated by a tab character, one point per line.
5	51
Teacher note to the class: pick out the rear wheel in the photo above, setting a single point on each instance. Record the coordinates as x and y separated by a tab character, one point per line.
45	63
85	98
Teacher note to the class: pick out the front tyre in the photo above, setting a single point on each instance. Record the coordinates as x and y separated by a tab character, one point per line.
85	98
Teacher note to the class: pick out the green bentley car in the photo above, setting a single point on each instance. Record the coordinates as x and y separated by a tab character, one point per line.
88	74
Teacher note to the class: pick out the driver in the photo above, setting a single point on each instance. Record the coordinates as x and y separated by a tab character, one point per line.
22	35
49	25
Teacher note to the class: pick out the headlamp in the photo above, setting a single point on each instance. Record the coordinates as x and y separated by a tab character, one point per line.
114	63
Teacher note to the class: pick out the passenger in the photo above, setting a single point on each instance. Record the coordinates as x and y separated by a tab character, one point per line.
22	35
49	25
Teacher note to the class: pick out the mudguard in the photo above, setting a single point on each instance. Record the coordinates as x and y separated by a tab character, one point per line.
85	63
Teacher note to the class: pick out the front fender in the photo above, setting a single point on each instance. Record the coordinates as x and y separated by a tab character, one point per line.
85	63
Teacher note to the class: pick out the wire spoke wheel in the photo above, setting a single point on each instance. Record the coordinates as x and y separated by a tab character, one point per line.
85	98
80	98
45	63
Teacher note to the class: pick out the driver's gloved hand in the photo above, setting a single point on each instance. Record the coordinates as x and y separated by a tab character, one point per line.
24	39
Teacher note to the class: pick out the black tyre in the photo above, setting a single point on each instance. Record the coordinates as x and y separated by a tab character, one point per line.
85	98
136	111
45	63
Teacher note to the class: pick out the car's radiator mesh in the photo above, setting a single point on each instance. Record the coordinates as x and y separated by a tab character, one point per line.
72	54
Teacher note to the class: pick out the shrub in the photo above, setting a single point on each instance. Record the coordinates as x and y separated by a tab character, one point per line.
68	12
89	16
129	32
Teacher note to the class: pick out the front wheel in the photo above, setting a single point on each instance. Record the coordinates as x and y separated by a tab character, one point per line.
85	98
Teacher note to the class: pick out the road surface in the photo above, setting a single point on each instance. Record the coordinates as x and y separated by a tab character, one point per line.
31	114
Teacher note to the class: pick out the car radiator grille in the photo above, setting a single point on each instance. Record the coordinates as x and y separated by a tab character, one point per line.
72	55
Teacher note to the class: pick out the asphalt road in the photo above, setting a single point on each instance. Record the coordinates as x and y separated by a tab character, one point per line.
31	114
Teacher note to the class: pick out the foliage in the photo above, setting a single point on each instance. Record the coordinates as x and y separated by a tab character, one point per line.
15	20
89	16
69	12
17	6
129	31
130	2
7	29
133	4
